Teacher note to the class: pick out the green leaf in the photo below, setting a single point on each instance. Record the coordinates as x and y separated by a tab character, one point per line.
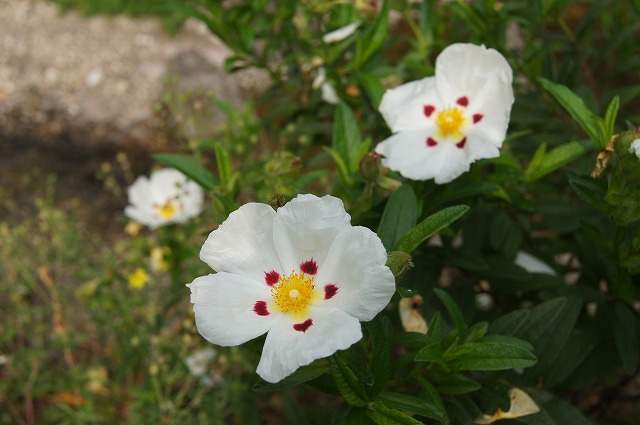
456	384
419	405
624	326
431	352
557	158
610	117
510	323
343	171
549	344
373	39
572	103
346	136
373	87
381	359
188	166
382	415
492	355
347	382
300	376
429	227
457	190
399	216
590	190
224	165
453	309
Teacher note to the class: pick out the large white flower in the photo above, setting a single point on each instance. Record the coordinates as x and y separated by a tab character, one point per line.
444	123
166	197
303	275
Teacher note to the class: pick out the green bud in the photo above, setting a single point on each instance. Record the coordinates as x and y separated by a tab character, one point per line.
371	168
399	262
277	200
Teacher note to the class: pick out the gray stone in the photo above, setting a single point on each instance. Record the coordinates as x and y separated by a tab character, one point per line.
97	81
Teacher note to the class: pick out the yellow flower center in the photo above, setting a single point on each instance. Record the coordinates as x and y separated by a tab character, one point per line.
168	210
293	294
450	121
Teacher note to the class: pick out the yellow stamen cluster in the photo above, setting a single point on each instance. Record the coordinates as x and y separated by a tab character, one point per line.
167	210
294	293
450	122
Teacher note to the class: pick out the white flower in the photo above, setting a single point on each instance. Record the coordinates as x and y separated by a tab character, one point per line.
198	362
341	33
168	196
303	275
444	123
533	264
329	93
635	148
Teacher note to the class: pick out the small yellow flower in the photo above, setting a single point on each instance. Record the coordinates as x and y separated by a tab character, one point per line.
132	228
158	262
138	279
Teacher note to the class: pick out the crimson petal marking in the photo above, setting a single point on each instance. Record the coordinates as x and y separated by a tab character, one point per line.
477	118
463	101
428	110
309	267
330	291
260	307
431	142
272	277
302	327
461	143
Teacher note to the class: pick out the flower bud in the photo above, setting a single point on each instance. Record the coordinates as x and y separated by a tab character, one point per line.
399	263
371	168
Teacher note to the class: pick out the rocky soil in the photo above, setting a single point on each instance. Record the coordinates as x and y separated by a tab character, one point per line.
74	90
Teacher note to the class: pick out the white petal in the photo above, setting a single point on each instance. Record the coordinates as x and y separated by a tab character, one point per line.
533	264
407	153
144	216
329	94
356	265
341	33
319	79
243	244
463	70
635	148
286	349
223	305
306	227
403	107
139	193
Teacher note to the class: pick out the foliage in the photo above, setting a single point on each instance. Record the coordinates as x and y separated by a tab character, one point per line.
564	190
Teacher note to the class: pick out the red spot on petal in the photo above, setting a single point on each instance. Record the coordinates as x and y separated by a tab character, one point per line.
302	327
309	267
463	101
260	308
461	143
431	142
477	118
329	291
271	277
428	110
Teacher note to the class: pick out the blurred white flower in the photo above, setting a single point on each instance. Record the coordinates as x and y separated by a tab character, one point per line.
635	148
341	33
329	93
533	264
442	124
303	275
198	362
166	197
